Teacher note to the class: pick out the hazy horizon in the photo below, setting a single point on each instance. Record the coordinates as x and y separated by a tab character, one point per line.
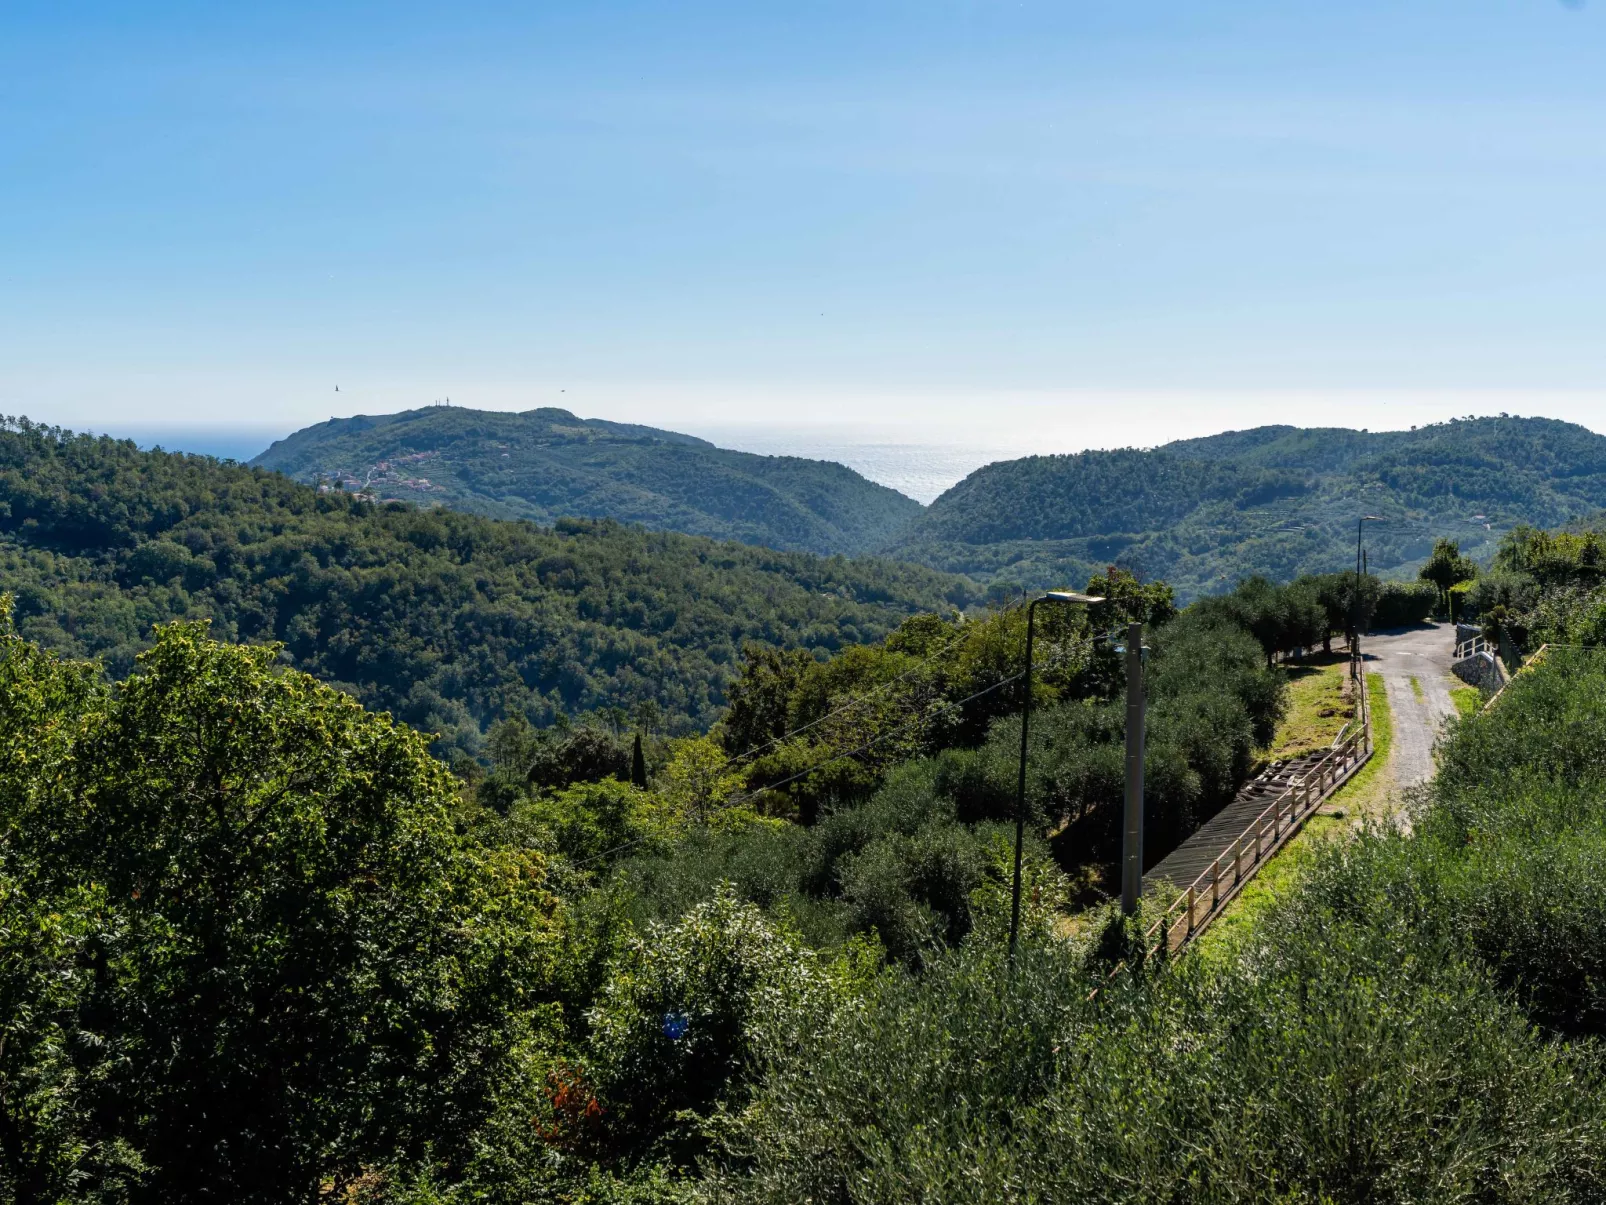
1055	225
917	460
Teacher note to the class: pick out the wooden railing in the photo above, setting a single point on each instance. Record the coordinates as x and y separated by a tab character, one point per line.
1472	646
1204	898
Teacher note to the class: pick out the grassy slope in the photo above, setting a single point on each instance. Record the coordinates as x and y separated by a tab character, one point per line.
1356	801
1316	709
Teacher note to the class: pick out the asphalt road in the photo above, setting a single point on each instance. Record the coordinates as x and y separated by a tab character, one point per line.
1423	653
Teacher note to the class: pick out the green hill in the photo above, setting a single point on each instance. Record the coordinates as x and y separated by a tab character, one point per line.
1280	501
546	464
448	620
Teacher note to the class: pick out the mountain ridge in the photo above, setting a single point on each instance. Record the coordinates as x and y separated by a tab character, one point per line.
548	463
1278	500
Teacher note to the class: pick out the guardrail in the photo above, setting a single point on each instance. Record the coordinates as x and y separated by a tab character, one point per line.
1472	647
1204	898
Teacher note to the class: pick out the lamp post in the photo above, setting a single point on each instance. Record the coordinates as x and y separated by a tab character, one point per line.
1062	596
1355	608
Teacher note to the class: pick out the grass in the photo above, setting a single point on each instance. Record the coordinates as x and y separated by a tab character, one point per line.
1316	710
1358	798
1363	794
1416	689
1468	700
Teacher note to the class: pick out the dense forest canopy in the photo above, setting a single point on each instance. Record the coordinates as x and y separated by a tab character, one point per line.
448	621
1276	501
547	464
257	945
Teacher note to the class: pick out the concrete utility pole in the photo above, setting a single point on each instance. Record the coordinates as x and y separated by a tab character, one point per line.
1132	844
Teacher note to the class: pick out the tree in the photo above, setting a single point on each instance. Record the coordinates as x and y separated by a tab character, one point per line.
1336	593
698	780
761	699
638	765
1446	567
1128	600
299	969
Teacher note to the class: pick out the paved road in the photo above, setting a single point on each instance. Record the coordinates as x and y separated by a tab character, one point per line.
1423	653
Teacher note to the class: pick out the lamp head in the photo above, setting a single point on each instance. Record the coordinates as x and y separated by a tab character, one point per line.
1072	596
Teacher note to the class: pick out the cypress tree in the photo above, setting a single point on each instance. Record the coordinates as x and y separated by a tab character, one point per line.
638	766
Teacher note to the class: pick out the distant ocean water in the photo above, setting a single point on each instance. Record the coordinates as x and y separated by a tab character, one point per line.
920	470
226	443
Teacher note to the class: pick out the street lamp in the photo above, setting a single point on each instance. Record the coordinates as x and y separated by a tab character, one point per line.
1355	609
1061	596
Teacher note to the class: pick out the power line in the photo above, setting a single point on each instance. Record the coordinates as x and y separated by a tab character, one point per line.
734	800
868	744
860	699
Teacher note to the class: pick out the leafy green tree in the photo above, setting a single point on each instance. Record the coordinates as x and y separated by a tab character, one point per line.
1128	600
1446	567
299	970
760	700
698	780
1344	602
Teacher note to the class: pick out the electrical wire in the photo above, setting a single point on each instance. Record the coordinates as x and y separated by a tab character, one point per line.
1002	682
734	800
859	699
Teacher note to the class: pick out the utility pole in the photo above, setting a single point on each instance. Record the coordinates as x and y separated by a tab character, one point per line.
1132	843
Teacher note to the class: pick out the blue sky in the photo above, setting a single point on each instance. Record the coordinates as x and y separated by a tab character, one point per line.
1061	224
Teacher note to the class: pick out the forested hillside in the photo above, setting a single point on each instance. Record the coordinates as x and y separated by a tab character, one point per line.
447	620
1544	587
1278	501
547	464
257	945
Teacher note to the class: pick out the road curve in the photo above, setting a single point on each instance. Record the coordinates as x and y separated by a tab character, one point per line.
1400	654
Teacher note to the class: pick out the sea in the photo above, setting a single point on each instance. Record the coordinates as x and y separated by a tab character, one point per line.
921	471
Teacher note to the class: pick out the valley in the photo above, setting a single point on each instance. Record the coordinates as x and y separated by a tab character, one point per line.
629	837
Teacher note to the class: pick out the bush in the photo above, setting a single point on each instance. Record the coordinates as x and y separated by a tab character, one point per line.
1400	604
689	1011
914	891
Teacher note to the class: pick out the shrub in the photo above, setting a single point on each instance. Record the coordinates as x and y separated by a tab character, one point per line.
689	1011
914	890
1402	603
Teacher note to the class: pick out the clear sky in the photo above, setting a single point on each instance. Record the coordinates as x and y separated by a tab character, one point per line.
1070	222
